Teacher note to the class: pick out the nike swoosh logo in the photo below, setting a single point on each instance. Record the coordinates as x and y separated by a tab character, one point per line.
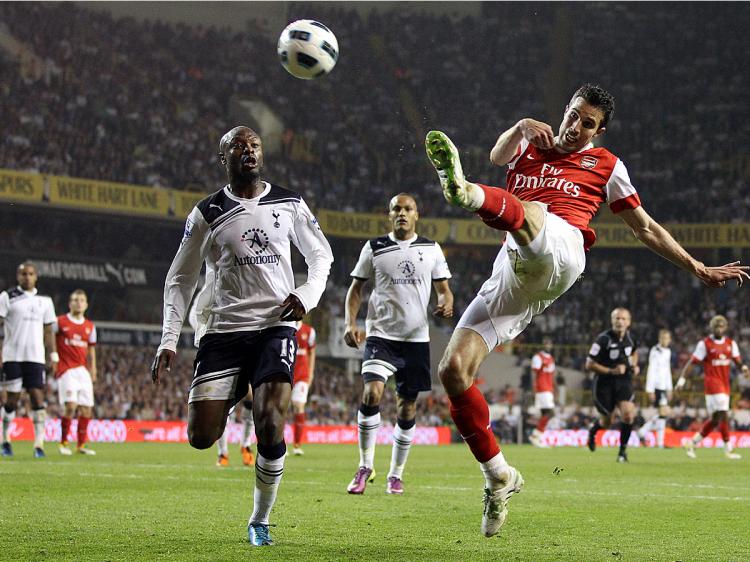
529	156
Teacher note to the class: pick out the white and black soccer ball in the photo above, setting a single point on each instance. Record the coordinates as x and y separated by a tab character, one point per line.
308	49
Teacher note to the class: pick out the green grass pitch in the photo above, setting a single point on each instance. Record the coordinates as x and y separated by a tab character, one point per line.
169	502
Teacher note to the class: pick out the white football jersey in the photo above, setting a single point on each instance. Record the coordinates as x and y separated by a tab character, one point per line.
659	374
402	273
25	314
246	244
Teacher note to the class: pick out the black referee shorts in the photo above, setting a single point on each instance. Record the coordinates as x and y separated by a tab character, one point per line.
607	391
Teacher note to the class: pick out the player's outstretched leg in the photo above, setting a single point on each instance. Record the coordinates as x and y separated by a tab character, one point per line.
496	207
470	412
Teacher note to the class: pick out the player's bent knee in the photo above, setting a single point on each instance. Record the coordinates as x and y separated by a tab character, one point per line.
201	440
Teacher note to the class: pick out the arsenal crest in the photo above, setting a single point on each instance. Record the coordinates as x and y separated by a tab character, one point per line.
589	162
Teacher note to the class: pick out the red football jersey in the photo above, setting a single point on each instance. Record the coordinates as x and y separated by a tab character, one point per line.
543	365
716	356
572	185
305	342
73	340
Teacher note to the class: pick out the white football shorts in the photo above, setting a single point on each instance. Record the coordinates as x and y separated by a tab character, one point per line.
299	392
544	401
525	280
717	403
75	385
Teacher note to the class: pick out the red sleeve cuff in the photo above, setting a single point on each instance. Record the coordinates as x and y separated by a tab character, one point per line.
629	202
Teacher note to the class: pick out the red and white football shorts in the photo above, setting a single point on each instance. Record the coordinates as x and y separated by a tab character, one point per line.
75	385
525	280
299	392
544	401
717	403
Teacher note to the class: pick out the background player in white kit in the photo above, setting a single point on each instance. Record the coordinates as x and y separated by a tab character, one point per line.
27	329
556	185
543	367
76	372
244	233
659	387
403	267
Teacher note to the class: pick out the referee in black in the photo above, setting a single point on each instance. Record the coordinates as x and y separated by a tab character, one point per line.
613	360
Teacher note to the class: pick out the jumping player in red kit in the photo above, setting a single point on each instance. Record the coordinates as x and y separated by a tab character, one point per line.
304	370
556	184
715	353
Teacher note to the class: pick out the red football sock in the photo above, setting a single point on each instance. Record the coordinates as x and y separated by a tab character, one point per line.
501	210
471	415
724	429
542	424
707	427
83	426
299	426
64	428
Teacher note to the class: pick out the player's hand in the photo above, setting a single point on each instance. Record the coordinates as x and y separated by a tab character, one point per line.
353	336
680	383
636	370
620	369
293	309
162	364
537	133
443	310
719	275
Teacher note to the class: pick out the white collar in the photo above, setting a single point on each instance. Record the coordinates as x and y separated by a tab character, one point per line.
266	189
32	292
72	319
407	241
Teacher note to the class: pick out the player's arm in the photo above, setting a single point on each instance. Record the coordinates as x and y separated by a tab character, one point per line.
92	362
738	359
656	238
311	364
51	346
179	287
313	245
353	336
444	306
683	373
596	353
535	132
634	363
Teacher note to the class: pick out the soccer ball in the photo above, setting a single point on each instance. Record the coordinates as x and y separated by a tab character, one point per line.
308	49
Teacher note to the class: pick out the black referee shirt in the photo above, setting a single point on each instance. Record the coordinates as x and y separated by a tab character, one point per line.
610	351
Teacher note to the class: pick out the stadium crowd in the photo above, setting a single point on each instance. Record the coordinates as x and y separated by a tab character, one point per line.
150	111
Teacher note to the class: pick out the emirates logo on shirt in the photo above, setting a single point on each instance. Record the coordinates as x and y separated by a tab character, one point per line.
589	162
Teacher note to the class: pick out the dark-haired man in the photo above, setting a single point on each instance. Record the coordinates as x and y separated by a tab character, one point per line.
246	331
555	185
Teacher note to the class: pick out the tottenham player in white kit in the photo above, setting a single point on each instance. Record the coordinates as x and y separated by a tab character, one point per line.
27	329
244	233
403	266
555	186
659	387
